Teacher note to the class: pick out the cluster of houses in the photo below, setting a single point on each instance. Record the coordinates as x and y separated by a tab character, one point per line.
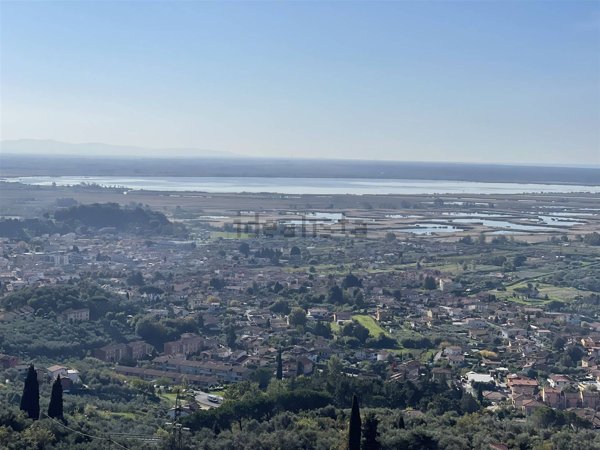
489	339
68	376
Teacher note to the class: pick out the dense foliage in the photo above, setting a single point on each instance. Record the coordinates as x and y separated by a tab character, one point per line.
102	215
43	332
81	218
25	230
56	299
36	336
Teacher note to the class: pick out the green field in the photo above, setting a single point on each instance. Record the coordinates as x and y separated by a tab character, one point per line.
168	397
370	324
122	415
563	294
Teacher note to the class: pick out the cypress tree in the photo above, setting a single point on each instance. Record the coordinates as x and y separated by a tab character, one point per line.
299	368
354	430
30	400
279	374
401	424
480	394
370	433
468	404
55	408
216	428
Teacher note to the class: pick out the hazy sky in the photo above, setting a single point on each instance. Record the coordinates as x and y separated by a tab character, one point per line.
470	81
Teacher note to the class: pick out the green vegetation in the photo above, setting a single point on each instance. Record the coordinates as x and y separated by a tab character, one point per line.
42	332
370	324
112	215
52	300
95	216
37	337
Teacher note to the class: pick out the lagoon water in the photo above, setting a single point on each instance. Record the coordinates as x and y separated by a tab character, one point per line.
425	228
504	224
298	186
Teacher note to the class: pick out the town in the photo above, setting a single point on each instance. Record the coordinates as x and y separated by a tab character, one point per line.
196	305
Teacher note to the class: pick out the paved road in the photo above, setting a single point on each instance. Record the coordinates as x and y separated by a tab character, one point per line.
202	399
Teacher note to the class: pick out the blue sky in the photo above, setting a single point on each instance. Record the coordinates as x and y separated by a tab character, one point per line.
428	81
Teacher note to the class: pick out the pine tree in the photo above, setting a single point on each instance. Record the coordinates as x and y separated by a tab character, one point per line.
354	430
279	374
370	433
30	401
55	408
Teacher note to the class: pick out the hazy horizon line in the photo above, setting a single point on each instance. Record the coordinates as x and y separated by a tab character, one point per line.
224	154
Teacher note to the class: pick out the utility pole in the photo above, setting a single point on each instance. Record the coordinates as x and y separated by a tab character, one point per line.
176	424
177	428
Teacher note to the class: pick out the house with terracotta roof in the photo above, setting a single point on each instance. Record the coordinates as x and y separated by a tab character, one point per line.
552	397
188	344
590	398
7	361
559	381
522	385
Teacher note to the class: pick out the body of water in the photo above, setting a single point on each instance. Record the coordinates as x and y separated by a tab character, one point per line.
424	228
504	224
298	186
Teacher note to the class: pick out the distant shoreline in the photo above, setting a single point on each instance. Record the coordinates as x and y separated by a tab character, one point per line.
303	186
55	166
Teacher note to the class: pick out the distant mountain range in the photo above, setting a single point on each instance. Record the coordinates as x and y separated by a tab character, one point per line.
95	149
